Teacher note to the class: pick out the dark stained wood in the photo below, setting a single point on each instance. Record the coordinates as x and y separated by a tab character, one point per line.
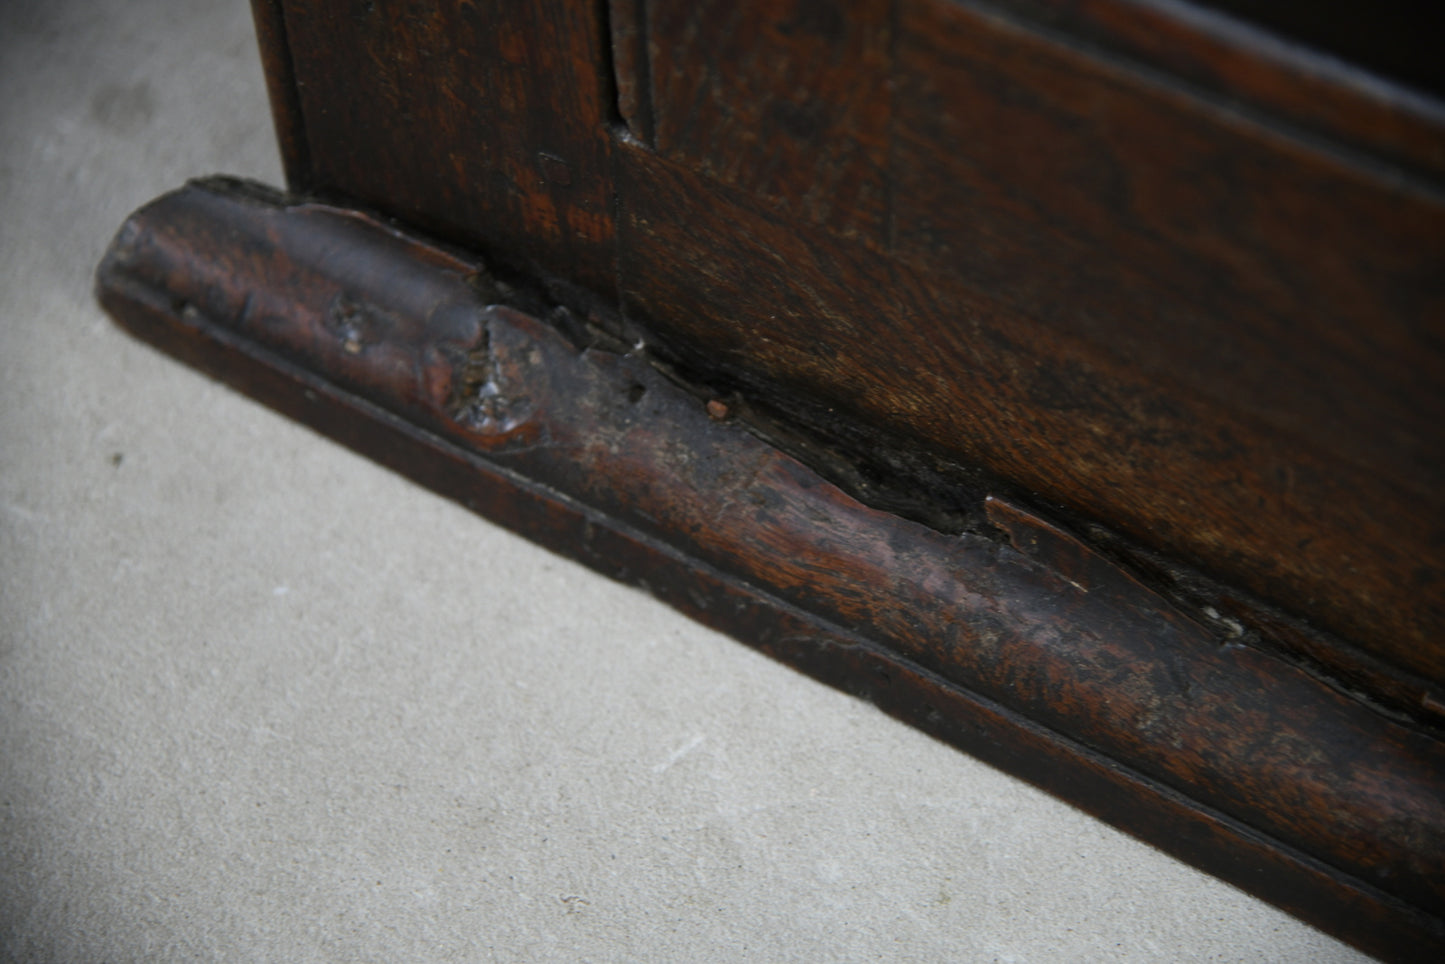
784	312
1251	73
270	20
787	101
1297	294
1175	238
454	118
1396	40
1020	642
1221	338
631	67
1069	378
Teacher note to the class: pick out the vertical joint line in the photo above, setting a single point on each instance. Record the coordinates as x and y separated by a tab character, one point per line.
644	76
607	61
278	62
890	190
631	66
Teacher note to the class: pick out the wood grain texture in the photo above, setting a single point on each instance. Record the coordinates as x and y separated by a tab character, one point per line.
1106	339
1027	644
1268	77
269	17
454	118
1292	292
788	101
632	67
789	314
1103	285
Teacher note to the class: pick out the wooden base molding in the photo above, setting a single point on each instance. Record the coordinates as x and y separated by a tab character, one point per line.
1013	640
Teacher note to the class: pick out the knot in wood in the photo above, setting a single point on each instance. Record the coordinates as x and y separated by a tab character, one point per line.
494	393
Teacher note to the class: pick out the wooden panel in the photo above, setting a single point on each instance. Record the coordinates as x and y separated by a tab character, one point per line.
883	355
1293	291
631	67
1265	76
275	48
481	120
1282	282
1131	236
1224	342
786	99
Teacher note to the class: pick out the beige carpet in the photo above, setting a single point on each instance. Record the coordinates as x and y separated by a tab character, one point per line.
261	700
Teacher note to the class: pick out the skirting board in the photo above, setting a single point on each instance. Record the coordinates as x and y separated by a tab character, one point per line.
1016	642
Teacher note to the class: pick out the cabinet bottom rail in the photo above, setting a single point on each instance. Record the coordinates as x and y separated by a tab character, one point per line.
1015	643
